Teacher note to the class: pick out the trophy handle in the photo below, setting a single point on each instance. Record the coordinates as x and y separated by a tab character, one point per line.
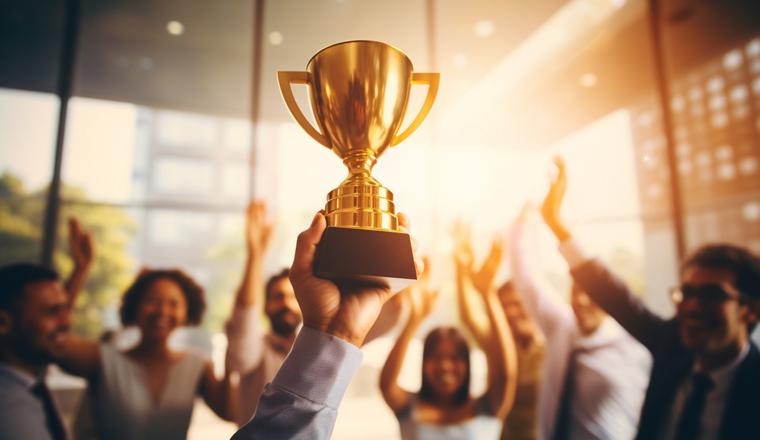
432	80
286	79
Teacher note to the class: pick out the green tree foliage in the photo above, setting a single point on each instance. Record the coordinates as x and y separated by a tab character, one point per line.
227	259
21	218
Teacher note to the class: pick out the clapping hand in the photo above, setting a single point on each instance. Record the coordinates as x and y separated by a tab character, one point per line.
421	296
80	244
258	231
550	209
483	278
463	255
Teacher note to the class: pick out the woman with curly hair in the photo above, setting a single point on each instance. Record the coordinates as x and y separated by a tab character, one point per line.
443	407
147	392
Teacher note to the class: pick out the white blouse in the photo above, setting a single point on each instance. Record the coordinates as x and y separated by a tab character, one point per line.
122	405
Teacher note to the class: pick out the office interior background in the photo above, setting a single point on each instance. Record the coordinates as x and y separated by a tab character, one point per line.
155	122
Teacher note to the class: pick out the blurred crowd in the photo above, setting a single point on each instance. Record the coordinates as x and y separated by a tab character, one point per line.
601	366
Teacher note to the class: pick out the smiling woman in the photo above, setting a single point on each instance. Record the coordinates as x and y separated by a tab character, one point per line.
147	392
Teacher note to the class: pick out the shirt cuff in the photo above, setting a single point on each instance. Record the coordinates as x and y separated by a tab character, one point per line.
574	254
319	367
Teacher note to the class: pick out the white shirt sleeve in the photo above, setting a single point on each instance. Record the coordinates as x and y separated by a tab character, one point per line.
245	344
302	400
547	313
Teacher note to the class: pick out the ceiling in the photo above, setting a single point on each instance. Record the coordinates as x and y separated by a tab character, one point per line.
510	69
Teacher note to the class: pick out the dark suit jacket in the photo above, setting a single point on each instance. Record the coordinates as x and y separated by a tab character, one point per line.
672	363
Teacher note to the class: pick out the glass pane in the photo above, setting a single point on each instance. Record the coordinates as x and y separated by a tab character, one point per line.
28	126
127	154
114	231
715	107
205	245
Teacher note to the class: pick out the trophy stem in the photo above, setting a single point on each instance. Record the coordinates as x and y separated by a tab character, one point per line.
360	201
360	169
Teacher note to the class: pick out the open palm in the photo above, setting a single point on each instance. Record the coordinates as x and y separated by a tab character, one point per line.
483	279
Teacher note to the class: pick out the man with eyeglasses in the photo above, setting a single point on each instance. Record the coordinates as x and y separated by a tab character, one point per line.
705	381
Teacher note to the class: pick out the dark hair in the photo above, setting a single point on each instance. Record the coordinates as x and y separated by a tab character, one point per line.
285	273
196	305
463	350
15	277
742	263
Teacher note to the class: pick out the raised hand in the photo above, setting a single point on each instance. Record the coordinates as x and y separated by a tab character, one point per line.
257	231
463	255
550	209
421	296
80	244
483	278
83	254
344	311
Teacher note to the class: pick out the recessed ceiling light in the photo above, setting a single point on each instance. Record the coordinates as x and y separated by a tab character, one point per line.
588	80
275	38
751	211
733	59
146	63
484	28
175	28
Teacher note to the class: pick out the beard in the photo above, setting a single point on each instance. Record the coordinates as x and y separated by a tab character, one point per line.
284	322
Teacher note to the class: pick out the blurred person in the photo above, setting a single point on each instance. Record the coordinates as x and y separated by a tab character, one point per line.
595	373
254	356
705	382
302	400
34	323
443	407
148	391
522	421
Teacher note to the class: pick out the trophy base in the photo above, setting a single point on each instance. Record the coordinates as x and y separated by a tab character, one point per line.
366	257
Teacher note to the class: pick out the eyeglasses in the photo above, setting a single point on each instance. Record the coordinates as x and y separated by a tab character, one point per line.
706	294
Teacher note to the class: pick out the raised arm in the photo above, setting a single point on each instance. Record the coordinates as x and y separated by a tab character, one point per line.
498	344
245	350
548	314
82	252
600	283
421	299
79	357
475	322
258	233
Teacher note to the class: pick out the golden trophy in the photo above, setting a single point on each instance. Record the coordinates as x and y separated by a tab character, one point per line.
359	91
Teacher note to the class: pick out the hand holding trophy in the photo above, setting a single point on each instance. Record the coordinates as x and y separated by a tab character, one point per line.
359	91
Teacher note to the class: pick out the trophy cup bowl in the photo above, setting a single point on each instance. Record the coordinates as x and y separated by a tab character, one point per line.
359	91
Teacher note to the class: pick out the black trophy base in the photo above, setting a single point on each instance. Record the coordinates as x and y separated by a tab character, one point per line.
366	257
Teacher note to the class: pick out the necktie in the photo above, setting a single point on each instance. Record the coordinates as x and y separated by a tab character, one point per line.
52	418
562	423
691	417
